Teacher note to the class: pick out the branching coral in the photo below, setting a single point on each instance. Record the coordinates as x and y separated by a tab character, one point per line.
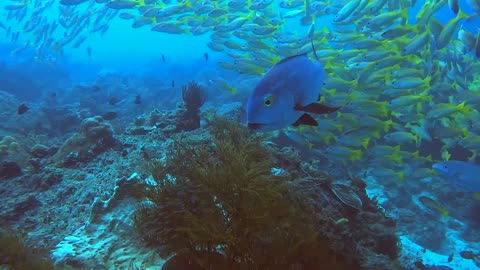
224	198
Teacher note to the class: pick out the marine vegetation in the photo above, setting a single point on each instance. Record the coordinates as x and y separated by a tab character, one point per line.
15	255
193	97
221	200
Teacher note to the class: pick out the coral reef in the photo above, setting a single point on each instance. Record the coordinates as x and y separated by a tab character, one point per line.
16	255
193	97
95	136
104	241
166	121
224	198
351	220
59	120
9	169
40	119
8	146
233	199
41	151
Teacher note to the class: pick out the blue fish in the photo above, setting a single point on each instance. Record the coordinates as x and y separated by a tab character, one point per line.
463	174
71	2
287	93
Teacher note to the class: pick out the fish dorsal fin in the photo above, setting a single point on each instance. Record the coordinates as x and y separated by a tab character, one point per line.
316	108
283	61
305	119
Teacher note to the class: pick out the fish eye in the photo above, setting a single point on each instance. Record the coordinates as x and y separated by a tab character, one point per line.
268	101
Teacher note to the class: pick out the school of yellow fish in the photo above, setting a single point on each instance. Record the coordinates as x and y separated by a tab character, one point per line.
404	81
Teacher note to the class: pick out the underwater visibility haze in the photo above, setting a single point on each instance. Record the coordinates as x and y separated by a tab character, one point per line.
239	134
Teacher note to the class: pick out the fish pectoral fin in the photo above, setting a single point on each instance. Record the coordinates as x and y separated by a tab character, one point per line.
316	108
305	119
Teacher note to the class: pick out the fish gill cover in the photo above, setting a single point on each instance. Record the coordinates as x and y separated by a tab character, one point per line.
95	91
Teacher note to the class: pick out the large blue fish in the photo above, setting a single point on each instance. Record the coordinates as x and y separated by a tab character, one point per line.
287	93
463	174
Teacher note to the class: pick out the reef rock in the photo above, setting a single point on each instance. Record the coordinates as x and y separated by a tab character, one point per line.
9	169
95	137
40	151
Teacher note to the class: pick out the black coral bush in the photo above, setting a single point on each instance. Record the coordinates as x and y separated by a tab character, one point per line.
222	198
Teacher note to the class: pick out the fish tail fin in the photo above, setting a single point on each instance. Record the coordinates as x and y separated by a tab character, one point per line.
473	157
397	149
188	4
417	140
331	92
387	125
309	145
462	14
328	65
384	110
397	158
327	139
388	77
365	142
356	155
446	155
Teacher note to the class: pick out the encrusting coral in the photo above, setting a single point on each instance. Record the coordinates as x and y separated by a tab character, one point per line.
221	200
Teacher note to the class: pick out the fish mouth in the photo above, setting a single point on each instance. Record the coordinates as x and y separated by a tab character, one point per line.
255	126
